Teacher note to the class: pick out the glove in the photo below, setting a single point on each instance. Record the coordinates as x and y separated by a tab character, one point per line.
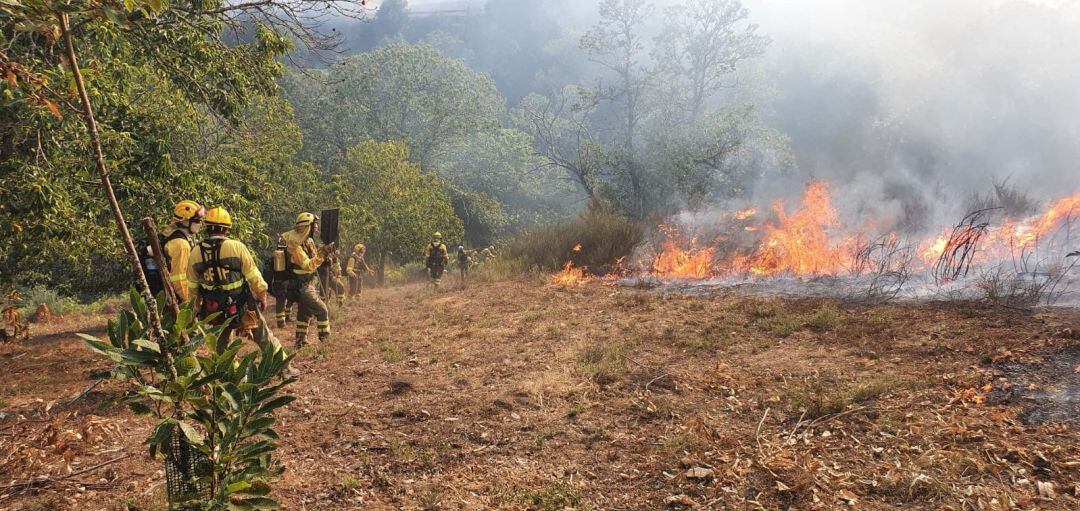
261	301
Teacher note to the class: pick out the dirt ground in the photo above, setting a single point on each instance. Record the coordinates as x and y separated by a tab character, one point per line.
521	395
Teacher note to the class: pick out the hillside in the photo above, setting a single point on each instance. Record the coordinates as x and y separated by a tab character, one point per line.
521	395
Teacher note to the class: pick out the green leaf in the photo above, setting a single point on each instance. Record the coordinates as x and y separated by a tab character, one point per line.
191	433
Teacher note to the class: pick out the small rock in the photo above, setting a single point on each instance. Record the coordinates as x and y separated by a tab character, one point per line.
699	473
1046	490
686	463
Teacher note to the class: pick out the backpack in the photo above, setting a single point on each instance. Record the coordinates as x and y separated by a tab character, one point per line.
436	255
149	265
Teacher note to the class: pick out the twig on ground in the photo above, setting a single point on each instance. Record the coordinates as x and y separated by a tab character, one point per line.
47	480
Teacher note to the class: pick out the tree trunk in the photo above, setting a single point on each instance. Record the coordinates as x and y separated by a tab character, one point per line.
380	273
153	319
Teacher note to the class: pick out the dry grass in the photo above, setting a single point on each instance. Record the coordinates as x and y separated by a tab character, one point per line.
526	396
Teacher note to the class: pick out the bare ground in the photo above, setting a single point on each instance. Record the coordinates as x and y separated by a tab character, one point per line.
519	395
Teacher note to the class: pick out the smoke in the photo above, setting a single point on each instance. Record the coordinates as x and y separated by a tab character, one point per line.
910	107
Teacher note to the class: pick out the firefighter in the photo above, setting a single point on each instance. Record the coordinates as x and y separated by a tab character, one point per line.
223	278
330	279
463	263
436	257
487	254
304	260
277	277
177	241
354	266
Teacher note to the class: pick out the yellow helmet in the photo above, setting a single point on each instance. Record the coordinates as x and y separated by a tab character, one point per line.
219	217
359	247
187	210
438	235
305	219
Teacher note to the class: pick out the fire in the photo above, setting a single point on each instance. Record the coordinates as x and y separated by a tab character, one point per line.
799	243
744	214
676	262
808	238
976	395
570	275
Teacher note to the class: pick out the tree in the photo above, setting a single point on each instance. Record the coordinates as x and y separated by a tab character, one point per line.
405	204
499	186
702	43
405	92
178	109
562	136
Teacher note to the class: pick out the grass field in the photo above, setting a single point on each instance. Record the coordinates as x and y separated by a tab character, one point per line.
520	395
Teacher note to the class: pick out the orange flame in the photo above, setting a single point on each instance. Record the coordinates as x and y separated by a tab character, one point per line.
800	243
570	275
976	395
809	239
676	262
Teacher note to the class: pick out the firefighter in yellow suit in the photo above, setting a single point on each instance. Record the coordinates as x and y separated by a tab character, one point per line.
304	259
355	266
179	240
222	277
436	257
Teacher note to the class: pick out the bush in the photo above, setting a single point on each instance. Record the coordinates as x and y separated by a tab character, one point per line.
500	268
58	304
221	404
827	318
604	238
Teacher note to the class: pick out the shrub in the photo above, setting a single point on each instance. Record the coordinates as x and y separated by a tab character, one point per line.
500	268
604	238
406	274
818	399
219	405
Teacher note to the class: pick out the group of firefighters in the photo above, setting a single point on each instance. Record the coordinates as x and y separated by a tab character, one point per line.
220	276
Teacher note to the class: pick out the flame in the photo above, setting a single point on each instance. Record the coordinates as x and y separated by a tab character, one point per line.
570	275
744	214
799	243
976	395
677	262
808	238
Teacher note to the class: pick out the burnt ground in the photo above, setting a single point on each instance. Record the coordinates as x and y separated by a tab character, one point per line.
519	395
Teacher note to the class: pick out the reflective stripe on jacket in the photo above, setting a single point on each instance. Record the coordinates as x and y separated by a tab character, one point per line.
222	264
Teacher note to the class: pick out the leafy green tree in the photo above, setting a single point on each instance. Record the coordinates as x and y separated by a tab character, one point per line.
403	204
500	186
411	93
181	114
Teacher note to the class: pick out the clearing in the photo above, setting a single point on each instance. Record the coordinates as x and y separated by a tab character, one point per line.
522	395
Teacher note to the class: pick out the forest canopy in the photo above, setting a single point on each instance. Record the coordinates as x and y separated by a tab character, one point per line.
486	126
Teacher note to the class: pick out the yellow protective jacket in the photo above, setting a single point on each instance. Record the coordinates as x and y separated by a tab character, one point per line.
234	267
178	250
356	262
436	254
302	252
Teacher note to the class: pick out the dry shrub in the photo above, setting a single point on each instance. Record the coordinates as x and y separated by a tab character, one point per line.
605	238
1007	288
